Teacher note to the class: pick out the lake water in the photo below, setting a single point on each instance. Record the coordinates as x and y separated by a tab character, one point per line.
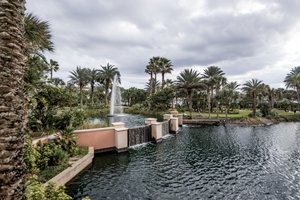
201	162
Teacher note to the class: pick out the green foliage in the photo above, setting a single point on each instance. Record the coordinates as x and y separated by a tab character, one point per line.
265	109
31	156
35	190
68	142
134	96
161	100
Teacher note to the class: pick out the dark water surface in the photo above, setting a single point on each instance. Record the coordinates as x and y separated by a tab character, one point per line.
201	162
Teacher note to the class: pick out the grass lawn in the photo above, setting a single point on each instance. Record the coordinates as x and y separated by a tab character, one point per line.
243	113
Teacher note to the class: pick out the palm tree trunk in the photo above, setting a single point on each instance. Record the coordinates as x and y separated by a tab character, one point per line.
106	91
92	94
190	94
154	84
254	105
51	73
298	95
162	80
13	112
208	101
81	102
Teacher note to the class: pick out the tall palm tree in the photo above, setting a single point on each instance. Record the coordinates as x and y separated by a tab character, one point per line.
154	66
165	67
292	80
253	87
188	80
13	113
214	78
79	77
93	76
53	66
107	74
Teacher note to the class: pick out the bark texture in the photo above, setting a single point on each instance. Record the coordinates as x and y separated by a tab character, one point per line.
12	112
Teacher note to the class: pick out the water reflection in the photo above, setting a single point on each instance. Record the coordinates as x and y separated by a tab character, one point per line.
201	162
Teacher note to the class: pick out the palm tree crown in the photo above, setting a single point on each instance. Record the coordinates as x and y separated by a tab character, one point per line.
37	34
188	80
253	87
79	77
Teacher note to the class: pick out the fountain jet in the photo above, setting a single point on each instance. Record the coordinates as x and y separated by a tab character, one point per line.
116	99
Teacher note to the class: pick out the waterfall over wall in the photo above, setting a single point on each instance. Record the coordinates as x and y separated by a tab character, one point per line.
139	135
165	128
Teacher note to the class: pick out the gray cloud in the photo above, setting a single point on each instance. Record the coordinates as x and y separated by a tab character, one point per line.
239	36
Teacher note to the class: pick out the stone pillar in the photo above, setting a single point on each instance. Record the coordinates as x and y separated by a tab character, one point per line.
156	131
180	119
149	121
167	117
121	137
174	125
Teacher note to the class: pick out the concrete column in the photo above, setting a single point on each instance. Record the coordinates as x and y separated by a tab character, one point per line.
149	121
180	119
121	137
174	125
167	117
156	131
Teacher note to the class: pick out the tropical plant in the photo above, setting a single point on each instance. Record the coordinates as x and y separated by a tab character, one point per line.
253	88
227	94
213	78
37	35
52	66
68	141
165	67
292	80
107	74
93	77
188	80
79	77
36	190
13	112
161	100
58	82
153	66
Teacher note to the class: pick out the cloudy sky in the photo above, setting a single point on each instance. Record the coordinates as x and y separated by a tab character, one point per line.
246	38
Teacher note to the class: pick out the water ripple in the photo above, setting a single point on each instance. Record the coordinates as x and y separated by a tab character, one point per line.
201	162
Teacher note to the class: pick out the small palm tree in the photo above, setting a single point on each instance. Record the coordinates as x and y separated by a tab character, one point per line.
292	80
53	66
79	77
107	74
253	87
188	80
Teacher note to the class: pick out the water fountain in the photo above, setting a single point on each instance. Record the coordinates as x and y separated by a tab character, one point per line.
116	99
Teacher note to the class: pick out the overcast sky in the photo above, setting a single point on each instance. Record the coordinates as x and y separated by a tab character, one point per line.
246	38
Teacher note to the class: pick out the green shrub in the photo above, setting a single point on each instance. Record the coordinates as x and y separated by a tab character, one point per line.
265	109
31	156
35	190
